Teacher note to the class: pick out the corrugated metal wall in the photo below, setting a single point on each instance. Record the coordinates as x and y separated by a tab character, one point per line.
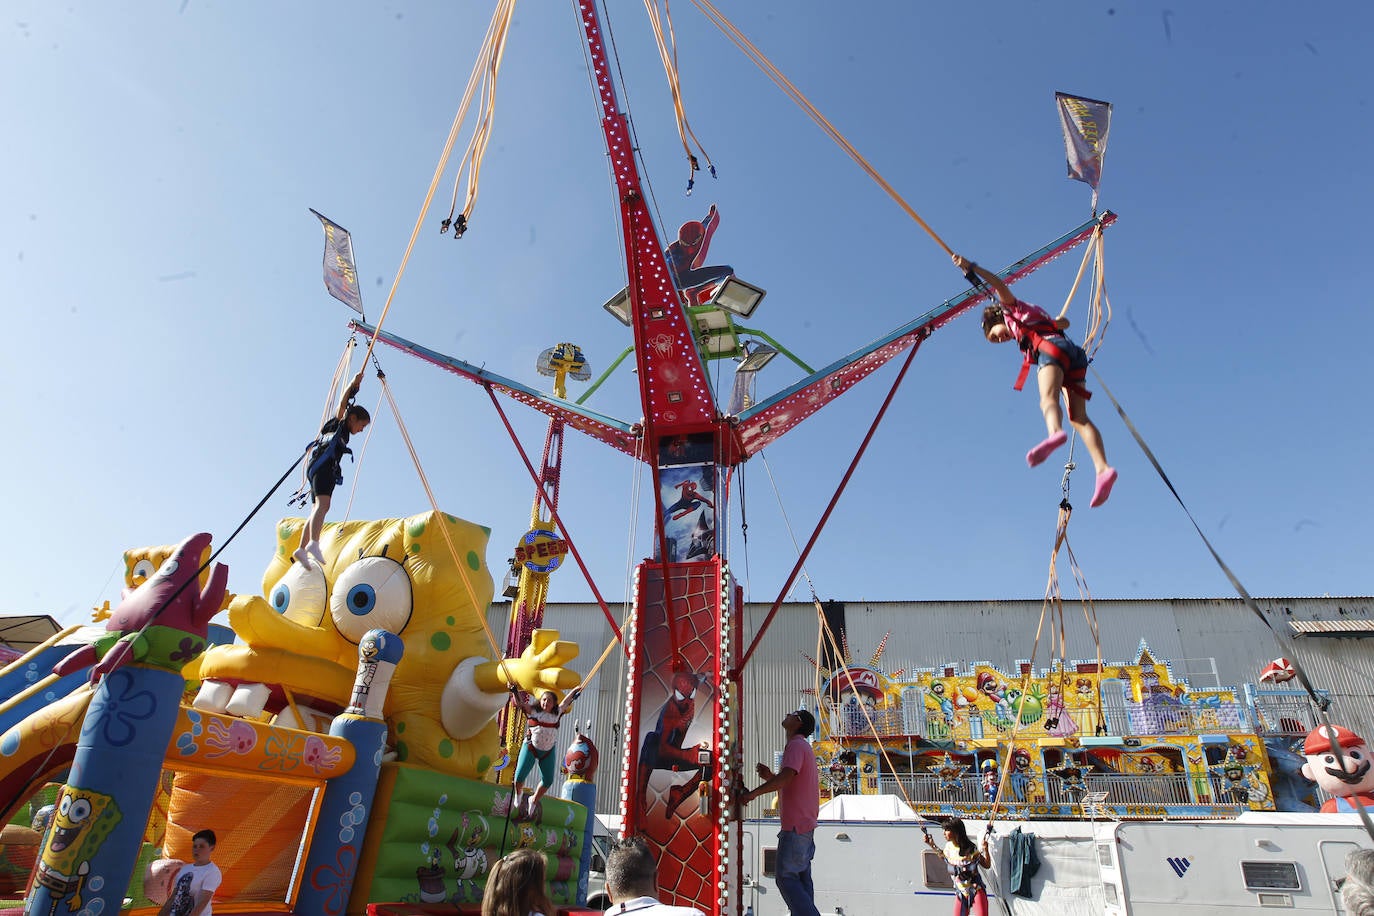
1188	632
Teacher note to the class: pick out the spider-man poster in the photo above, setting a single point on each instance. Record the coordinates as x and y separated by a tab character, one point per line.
688	496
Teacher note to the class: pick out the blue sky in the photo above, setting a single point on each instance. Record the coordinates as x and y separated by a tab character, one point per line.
171	343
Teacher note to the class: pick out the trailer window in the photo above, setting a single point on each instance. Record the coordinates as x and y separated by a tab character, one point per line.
1271	876
935	869
1104	855
770	862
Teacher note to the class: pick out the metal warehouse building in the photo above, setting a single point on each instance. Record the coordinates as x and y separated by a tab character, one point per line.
1208	641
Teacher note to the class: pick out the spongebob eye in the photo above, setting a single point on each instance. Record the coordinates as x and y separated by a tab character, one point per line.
141	571
168	567
300	595
81	809
373	593
65	806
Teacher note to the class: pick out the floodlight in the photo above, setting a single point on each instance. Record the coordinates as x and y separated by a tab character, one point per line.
619	306
759	356
734	295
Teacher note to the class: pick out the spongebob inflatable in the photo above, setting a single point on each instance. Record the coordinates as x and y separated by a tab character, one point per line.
423	578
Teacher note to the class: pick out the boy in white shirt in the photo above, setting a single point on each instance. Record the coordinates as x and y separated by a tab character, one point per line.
195	884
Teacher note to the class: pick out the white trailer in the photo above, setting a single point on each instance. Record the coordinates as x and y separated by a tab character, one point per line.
1260	860
1133	868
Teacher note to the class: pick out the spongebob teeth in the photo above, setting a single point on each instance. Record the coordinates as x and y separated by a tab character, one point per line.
213	696
248	700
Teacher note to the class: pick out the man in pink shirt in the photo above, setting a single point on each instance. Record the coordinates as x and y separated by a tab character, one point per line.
799	799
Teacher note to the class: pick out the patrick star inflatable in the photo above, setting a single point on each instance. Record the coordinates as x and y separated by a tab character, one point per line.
163	622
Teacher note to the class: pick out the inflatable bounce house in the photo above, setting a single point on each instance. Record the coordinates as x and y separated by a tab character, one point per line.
340	738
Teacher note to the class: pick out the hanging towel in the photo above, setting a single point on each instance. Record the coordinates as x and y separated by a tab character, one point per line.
1024	862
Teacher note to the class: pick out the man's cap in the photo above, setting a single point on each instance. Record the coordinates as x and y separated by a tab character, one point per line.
808	722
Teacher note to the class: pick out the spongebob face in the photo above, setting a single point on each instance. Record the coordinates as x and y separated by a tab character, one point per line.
397	575
83	820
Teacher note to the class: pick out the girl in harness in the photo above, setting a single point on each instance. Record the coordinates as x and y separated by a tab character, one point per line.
1063	367
325	472
964	861
539	747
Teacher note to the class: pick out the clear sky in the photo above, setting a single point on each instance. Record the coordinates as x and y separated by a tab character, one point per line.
171	344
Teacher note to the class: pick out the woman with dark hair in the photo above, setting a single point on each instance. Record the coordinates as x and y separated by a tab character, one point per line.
964	861
515	886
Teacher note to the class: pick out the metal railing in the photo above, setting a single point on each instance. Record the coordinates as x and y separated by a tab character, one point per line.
1121	789
1285	718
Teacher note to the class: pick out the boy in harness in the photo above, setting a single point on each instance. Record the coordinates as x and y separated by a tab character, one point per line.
1062	370
325	471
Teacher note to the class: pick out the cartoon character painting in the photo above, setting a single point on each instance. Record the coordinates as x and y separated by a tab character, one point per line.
1058	721
84	820
1020	773
663	748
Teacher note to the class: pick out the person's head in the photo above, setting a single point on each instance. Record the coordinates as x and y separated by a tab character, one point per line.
995	325
357	418
1357	887
548	700
515	886
202	846
957	833
799	722
631	871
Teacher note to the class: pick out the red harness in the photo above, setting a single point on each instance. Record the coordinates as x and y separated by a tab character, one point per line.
1036	339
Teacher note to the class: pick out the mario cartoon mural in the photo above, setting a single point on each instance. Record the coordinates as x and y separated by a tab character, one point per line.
1338	762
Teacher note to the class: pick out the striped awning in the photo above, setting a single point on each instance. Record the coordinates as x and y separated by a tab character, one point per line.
1356	627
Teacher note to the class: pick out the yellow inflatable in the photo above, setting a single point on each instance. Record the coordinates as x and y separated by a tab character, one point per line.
300	640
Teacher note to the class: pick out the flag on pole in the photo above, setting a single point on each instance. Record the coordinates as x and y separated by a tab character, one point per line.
1085	122
340	274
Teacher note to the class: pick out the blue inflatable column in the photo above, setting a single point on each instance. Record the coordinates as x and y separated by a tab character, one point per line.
97	830
332	864
580	763
584	793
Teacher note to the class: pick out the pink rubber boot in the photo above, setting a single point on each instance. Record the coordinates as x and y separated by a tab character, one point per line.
1105	481
1043	450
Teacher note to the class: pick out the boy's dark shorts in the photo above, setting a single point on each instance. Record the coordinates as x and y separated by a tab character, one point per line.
323	483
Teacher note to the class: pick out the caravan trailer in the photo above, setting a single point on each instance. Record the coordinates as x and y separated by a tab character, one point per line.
1118	868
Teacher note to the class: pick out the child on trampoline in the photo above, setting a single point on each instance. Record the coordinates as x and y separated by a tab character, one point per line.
1063	367
325	471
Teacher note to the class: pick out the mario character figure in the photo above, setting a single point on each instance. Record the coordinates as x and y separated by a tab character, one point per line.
991	780
1338	762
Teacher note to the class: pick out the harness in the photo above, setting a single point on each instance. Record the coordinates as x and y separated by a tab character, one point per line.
328	449
1042	336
